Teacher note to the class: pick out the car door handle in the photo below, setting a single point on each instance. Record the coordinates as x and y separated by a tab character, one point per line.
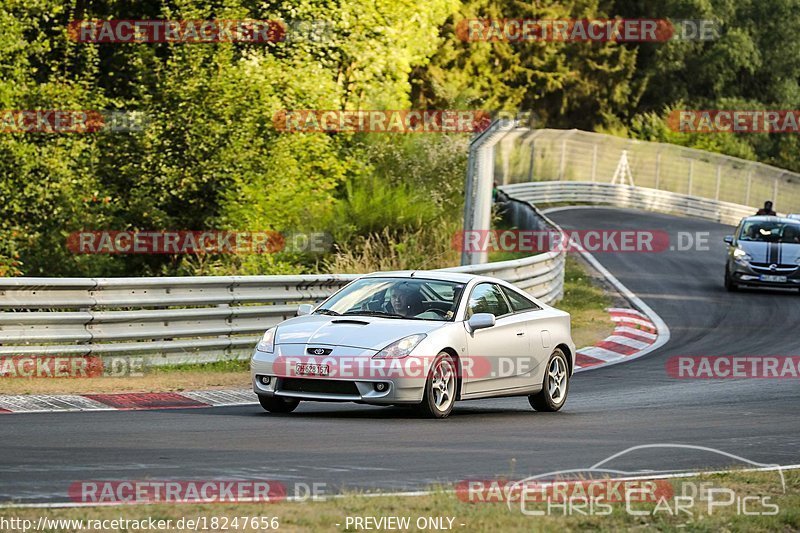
520	333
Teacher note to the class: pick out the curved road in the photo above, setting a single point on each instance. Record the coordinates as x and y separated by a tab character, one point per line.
346	445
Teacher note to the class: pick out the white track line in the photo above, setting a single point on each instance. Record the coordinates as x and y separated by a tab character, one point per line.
661	326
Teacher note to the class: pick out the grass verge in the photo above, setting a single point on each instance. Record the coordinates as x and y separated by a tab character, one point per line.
586	301
231	374
762	492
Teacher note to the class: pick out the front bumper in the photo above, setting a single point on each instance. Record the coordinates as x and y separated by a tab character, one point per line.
354	376
746	274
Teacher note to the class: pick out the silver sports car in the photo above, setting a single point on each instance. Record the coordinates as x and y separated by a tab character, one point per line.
765	251
418	338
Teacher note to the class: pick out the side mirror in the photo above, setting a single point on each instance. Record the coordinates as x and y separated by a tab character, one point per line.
480	321
728	239
304	309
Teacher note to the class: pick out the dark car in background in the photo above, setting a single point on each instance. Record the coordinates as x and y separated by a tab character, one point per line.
764	251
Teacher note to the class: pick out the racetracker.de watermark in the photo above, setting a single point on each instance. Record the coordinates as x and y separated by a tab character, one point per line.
733	367
177	491
586	30
367	367
69	121
196	242
734	121
606	490
70	366
381	121
606	240
176	31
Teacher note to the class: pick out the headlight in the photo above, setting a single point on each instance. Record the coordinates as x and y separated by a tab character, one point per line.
267	342
741	255
400	348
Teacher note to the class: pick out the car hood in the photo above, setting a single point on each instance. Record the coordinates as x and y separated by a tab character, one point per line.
785	253
373	333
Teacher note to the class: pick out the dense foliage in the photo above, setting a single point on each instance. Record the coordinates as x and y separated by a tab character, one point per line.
209	155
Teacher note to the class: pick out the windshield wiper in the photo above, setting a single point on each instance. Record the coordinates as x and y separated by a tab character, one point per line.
327	312
375	313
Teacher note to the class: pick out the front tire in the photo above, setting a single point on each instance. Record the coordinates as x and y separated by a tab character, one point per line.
278	405
440	388
555	385
730	285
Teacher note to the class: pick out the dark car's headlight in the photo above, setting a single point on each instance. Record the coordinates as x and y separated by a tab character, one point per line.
741	255
267	342
400	348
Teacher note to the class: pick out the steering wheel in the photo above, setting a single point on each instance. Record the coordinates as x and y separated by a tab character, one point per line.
439	312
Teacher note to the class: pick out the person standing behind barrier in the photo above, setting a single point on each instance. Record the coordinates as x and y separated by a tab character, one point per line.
766	210
499	201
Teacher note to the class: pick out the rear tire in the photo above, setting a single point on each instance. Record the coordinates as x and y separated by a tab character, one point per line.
555	384
730	285
278	405
440	388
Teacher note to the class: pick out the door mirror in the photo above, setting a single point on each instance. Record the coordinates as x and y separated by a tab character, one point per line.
728	239
304	309
480	321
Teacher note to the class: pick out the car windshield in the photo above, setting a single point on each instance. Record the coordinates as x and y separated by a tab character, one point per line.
410	298
759	230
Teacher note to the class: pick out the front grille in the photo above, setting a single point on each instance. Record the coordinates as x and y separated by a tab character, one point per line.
764	268
322	386
319	351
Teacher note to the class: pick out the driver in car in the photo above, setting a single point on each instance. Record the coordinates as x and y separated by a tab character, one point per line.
405	300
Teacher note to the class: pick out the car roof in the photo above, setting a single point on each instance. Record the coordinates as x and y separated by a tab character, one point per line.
769	218
445	275
441	275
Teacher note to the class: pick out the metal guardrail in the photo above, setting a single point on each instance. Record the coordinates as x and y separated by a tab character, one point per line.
194	319
543	192
170	319
524	155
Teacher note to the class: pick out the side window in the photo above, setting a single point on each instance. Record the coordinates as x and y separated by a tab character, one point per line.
519	302
487	298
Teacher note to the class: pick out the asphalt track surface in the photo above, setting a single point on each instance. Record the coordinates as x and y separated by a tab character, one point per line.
352	446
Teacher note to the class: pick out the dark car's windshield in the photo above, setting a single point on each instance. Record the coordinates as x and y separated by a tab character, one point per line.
768	231
421	299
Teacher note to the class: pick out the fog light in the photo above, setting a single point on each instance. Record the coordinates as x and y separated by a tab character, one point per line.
265	380
380	387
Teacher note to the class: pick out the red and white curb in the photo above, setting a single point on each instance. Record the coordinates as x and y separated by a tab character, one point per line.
637	332
44	403
633	333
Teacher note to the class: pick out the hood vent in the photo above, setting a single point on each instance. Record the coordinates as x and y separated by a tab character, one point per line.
350	321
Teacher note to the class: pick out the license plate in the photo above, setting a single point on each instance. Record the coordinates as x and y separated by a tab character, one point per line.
310	369
773	279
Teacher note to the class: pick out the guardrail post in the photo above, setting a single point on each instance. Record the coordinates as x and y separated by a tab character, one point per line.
531	170
749	184
775	191
478	188
658	169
